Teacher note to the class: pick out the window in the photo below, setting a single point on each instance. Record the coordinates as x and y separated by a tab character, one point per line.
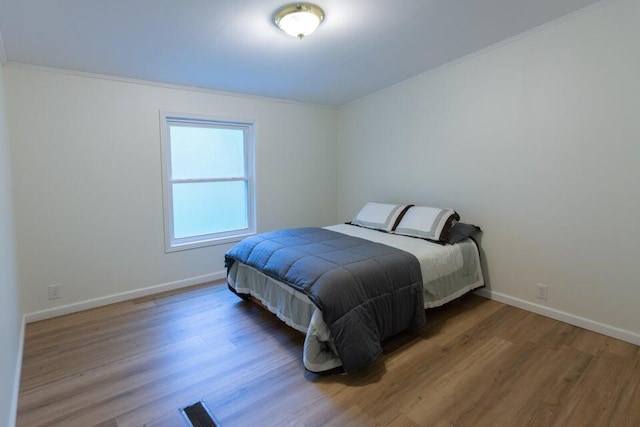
208	181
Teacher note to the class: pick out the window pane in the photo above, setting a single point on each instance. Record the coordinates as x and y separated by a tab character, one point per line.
205	152
211	207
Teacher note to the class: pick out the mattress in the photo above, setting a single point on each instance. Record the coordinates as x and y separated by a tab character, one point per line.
448	272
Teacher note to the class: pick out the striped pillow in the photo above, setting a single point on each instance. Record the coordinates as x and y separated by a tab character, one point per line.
379	216
427	223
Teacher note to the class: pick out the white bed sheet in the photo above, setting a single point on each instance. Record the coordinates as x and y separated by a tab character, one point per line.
435	260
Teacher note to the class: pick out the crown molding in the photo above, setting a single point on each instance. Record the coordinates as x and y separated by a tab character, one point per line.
558	21
109	77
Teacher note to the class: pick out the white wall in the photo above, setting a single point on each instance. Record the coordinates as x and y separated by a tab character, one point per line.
10	315
88	188
538	142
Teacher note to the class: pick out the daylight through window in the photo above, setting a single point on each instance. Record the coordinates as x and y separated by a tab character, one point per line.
208	181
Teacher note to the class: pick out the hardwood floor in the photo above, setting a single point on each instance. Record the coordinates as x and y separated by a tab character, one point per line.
476	363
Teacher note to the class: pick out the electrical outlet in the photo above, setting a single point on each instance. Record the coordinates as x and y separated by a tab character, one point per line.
542	291
54	291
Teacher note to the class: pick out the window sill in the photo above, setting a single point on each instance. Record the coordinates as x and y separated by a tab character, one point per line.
176	247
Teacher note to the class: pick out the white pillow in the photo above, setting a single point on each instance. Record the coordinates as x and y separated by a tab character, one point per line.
379	216
427	223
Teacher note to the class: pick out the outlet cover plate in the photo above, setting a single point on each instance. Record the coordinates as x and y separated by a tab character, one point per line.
542	291
54	291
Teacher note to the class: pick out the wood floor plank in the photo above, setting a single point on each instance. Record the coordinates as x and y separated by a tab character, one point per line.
476	363
434	402
600	394
626	413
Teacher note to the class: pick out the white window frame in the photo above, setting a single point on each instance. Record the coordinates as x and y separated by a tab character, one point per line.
173	244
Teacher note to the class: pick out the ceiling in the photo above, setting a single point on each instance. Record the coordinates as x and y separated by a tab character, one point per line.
232	45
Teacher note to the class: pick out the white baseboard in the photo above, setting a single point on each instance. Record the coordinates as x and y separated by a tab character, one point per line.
592	325
123	296
13	410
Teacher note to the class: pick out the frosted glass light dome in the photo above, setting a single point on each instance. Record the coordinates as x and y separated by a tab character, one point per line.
299	20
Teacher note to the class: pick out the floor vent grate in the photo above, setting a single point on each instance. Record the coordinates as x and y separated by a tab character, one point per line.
198	415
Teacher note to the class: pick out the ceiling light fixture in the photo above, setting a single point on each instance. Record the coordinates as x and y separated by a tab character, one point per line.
299	20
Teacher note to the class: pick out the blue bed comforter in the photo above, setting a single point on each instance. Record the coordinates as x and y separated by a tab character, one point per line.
367	291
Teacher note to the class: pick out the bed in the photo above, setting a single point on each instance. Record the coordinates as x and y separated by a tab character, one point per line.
408	275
